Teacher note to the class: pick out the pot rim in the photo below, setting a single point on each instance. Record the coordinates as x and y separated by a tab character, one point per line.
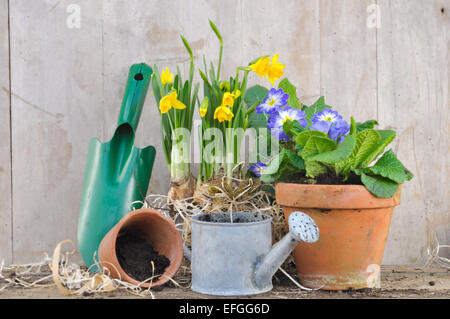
114	232
331	196
267	219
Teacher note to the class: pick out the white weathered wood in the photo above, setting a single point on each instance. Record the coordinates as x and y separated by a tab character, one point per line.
348	59
57	107
142	31
413	98
67	85
5	138
292	29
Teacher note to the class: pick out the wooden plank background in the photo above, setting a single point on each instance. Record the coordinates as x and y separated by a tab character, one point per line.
62	86
5	130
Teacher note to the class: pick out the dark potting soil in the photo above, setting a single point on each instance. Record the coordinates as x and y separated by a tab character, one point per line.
237	218
331	178
135	256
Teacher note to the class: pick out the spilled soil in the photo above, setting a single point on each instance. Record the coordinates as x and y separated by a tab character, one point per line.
135	256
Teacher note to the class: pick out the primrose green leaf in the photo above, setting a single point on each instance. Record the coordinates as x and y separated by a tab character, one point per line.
317	145
366	125
389	166
342	152
318	106
256	120
255	94
290	89
283	166
386	137
353	128
292	128
272	172
298	148
295	160
366	143
303	137
379	186
314	169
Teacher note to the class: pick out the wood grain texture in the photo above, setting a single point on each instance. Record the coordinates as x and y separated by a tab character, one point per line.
348	58
413	99
57	107
291	29
67	86
5	138
142	31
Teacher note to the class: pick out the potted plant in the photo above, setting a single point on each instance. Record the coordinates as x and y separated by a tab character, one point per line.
226	115
338	173
176	103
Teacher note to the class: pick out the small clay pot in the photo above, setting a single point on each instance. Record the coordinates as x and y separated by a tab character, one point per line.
157	230
353	225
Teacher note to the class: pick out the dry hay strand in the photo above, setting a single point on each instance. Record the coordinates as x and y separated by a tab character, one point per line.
72	280
433	249
69	278
31	275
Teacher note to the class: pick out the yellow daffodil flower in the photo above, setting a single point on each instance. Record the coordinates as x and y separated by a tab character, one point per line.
170	101
224	85
275	69
166	76
272	69
261	67
228	99
236	93
204	106
223	113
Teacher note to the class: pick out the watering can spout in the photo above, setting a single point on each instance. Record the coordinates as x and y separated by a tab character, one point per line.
302	228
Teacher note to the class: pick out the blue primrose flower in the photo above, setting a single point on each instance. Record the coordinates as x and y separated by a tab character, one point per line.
258	168
274	101
331	123
327	116
339	130
277	119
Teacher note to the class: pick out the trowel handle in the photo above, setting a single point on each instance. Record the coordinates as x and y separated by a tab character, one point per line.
135	93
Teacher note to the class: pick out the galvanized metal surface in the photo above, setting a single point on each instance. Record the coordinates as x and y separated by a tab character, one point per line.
232	254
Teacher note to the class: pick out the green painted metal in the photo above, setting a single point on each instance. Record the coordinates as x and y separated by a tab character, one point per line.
117	173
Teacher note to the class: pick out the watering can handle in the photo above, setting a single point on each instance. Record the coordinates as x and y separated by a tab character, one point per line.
133	100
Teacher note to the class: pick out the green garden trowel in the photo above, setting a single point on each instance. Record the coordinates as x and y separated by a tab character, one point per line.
117	173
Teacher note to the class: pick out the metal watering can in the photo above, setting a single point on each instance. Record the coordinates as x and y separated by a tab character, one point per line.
237	258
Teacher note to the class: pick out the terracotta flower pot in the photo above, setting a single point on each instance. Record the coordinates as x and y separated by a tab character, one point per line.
353	226
157	230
